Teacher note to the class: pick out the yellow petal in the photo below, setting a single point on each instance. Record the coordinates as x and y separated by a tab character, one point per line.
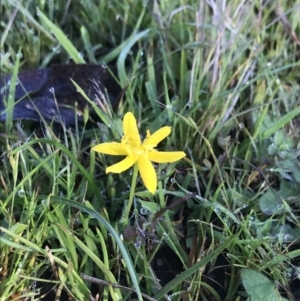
121	166
157	137
130	129
110	148
165	157
147	173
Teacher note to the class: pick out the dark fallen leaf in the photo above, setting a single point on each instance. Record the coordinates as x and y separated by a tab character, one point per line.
51	94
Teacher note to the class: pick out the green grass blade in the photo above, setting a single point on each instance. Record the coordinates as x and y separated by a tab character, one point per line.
85	173
125	50
184	275
280	123
88	209
11	95
62	39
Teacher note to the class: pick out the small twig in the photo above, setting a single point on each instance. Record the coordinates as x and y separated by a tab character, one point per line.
287	25
103	282
174	204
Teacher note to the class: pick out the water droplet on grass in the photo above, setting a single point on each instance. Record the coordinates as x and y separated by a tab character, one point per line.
143	211
288	237
288	275
137	244
19	55
21	193
45	202
217	210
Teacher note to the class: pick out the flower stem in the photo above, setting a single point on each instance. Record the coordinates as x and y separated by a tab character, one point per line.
131	195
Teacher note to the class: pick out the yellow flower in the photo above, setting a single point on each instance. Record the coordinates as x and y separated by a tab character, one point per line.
137	152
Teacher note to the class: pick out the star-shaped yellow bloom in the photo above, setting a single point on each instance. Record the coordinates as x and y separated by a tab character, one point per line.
137	152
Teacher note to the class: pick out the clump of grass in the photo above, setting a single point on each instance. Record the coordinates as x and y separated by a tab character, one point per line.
226	79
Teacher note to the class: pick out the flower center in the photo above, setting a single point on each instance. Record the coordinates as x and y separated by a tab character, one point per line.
132	145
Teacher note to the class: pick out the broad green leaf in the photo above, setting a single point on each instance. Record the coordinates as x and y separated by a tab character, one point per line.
259	287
